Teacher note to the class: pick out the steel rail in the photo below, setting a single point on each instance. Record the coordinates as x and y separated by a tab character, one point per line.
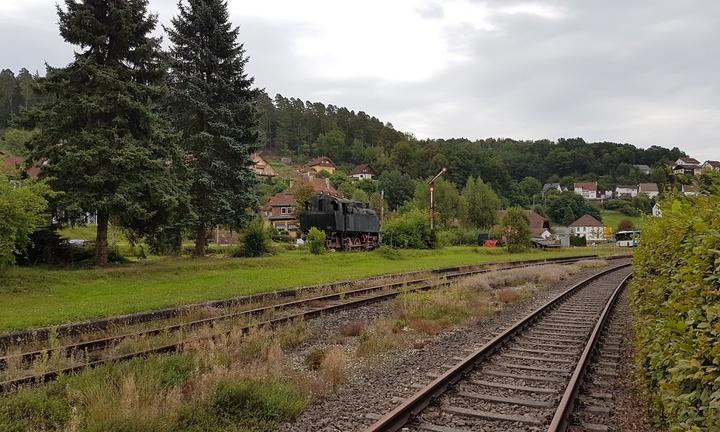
561	418
100	344
10	385
402	414
77	328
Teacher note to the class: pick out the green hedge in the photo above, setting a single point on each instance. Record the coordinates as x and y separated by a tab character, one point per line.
676	299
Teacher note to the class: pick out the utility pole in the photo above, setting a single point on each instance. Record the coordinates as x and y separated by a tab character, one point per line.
432	201
382	206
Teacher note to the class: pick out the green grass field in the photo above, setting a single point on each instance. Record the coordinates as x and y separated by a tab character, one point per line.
31	297
612	218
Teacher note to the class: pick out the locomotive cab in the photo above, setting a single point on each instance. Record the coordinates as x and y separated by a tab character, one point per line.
347	224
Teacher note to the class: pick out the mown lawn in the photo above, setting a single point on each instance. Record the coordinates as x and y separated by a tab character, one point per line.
32	297
612	218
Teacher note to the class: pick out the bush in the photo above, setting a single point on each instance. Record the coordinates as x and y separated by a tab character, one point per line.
578	241
316	241
410	231
675	296
38	409
515	230
255	240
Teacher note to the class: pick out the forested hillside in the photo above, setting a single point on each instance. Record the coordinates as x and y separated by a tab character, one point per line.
515	169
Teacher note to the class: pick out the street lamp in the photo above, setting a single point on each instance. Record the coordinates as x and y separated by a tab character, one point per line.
432	201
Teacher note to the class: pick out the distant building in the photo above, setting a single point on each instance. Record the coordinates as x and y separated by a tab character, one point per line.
688	166
12	164
362	172
690	190
626	191
587	190
587	226
642	168
261	166
551	186
322	163
711	165
649	189
539	226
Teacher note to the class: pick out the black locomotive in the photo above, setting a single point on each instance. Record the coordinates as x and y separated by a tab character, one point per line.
348	225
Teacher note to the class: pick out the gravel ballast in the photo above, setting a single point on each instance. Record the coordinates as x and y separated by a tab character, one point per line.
378	384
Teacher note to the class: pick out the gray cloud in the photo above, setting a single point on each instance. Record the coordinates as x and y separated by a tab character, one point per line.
638	72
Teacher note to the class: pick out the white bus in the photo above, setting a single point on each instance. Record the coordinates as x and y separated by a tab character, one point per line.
627	238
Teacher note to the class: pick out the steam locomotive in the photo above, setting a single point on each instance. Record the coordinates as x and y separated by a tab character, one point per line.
348	225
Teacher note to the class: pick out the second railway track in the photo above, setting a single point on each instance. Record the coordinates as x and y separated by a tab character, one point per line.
93	351
525	379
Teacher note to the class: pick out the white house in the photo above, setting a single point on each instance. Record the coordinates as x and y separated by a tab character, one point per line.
626	191
587	190
587	226
649	189
656	212
362	172
688	166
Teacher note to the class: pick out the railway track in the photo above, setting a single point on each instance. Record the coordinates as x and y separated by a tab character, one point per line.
527	378
93	352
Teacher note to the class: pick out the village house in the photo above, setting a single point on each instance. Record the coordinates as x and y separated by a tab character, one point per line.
322	163
626	191
688	166
643	169
551	186
711	165
362	172
587	190
539	226
588	227
261	166
649	189
279	210
12	164
690	190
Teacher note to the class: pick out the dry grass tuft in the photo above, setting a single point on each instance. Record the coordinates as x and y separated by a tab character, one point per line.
382	336
333	368
354	328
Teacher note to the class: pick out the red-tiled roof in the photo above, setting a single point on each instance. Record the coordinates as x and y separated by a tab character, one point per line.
323	161
362	169
589	186
586	221
689	188
648	187
688	161
287	198
13	162
538	224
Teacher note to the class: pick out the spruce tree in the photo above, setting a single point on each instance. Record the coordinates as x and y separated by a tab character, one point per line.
213	107
101	142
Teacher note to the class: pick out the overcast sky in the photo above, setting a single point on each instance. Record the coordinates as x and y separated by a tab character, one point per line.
642	72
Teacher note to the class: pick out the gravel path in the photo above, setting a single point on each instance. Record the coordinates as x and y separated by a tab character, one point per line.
377	385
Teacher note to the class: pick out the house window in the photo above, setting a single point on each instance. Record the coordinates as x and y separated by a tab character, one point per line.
286	210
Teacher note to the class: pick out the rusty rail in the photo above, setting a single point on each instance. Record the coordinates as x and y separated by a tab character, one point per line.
402	414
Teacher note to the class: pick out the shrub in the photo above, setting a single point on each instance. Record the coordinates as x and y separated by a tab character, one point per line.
675	295
410	231
316	241
388	252
255	239
258	400
515	229
578	241
625	225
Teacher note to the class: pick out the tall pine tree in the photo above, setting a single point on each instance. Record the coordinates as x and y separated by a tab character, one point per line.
101	141
213	107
